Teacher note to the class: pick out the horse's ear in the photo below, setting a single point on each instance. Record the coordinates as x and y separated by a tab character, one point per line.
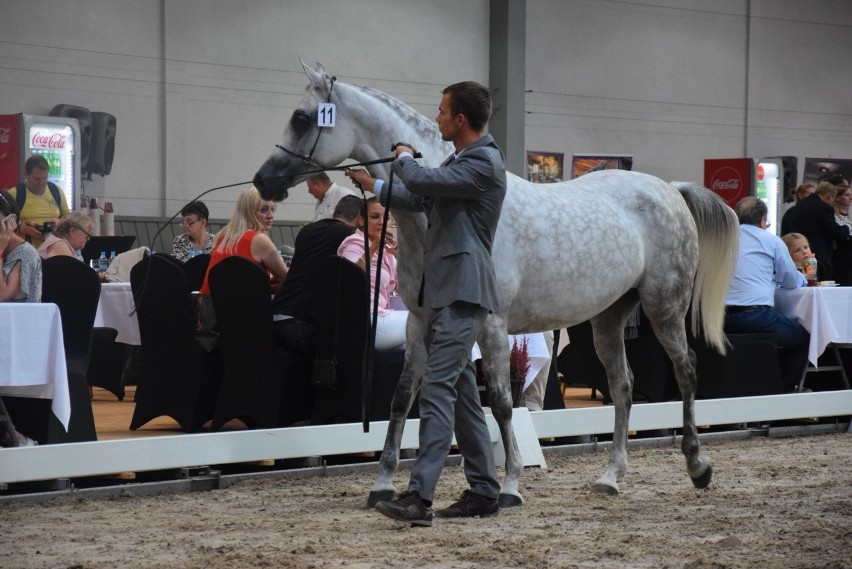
315	76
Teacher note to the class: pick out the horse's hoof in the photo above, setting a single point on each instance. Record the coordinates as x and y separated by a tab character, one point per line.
604	489
377	496
703	481
510	501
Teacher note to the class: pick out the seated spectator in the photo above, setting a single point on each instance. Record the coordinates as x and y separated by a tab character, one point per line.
327	194
246	236
195	239
20	279
291	307
800	251
800	193
842	259
70	236
390	328
763	263
815	220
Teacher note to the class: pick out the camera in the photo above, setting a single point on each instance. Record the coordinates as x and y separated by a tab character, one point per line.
46	228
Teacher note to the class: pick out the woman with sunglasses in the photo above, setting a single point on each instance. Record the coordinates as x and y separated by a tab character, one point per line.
246	235
70	236
195	238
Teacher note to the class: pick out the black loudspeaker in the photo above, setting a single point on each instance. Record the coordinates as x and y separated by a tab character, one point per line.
789	175
103	144
84	117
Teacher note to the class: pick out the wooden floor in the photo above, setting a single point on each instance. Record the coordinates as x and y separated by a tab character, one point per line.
112	417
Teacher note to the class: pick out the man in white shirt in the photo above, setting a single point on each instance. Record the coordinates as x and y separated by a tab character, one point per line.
327	195
764	262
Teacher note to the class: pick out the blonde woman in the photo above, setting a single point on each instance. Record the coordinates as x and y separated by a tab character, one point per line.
246	236
68	239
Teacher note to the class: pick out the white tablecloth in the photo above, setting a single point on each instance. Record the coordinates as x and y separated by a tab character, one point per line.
825	312
32	355
116	310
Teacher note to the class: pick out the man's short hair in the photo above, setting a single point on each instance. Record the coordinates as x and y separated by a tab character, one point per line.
321	177
36	162
197	208
751	210
826	189
348	208
472	100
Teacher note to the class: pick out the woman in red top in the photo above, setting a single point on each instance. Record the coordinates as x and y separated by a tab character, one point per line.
246	235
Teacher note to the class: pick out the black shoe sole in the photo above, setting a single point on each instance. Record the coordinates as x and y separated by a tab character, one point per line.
445	517
414	523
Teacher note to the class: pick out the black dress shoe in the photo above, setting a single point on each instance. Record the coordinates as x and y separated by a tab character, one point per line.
471	505
409	507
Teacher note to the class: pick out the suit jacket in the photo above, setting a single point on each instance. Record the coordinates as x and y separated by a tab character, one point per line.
815	220
462	199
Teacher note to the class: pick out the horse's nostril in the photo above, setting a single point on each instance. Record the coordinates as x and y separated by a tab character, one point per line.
258	182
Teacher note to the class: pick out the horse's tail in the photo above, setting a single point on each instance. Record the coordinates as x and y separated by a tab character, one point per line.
718	242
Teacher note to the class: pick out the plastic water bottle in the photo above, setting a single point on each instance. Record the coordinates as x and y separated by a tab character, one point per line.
103	262
111	257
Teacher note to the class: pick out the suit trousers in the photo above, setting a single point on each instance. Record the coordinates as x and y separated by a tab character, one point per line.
449	402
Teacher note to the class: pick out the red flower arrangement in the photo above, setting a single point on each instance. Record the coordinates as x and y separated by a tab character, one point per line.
519	367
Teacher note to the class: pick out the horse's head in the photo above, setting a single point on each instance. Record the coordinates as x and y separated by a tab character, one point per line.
305	146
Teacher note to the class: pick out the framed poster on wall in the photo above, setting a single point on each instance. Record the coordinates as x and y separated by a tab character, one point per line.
585	163
834	170
544	167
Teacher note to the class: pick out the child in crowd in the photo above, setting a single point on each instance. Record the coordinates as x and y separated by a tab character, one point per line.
800	252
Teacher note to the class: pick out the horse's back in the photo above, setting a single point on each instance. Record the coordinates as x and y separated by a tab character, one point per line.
594	237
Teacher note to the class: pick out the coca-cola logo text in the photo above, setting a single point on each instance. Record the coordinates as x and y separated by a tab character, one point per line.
731	184
50	140
726	178
4	135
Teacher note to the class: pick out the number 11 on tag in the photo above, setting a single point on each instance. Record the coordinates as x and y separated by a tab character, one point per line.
326	114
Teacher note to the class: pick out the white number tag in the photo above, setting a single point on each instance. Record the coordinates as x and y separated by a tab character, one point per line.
326	114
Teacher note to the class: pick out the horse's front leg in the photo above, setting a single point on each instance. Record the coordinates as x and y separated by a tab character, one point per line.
609	345
403	398
495	356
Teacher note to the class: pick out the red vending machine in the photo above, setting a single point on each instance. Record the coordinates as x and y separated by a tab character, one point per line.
56	138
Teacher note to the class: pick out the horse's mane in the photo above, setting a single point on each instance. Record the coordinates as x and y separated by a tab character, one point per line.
422	125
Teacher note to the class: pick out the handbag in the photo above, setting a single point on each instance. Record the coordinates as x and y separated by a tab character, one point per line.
324	375
206	335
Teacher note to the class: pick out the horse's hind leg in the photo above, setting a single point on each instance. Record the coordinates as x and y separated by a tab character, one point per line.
671	332
403	398
608	330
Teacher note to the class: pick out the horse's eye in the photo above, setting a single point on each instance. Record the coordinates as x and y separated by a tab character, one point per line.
300	121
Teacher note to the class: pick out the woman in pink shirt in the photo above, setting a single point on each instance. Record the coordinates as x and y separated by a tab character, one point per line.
390	328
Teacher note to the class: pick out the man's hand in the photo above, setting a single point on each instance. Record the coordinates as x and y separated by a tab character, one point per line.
361	179
399	148
28	230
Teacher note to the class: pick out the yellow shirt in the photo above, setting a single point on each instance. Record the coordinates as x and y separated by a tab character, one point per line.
38	209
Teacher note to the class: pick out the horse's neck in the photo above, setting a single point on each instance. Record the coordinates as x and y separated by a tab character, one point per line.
385	121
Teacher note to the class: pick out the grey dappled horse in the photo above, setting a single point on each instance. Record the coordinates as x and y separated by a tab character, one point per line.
591	248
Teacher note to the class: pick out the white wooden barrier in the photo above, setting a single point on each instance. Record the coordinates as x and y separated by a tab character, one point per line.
50	462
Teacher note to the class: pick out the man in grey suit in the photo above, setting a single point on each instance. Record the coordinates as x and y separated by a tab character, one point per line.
462	199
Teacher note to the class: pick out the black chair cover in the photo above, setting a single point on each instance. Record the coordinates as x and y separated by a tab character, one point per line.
340	303
749	368
107	362
195	269
75	289
178	378
263	385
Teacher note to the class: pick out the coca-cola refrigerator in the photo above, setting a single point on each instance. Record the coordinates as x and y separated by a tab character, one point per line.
56	138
